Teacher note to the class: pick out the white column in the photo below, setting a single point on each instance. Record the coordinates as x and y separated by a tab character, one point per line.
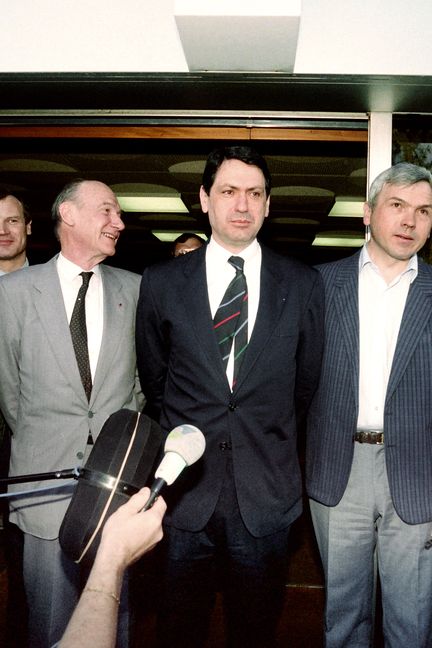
380	144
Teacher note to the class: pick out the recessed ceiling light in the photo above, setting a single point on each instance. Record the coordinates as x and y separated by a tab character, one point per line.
347	208
323	240
33	165
302	191
163	204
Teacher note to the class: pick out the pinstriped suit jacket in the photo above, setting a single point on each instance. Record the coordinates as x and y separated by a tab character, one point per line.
408	405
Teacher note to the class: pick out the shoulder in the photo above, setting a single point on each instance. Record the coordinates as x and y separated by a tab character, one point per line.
24	277
288	267
126	277
330	271
173	270
425	269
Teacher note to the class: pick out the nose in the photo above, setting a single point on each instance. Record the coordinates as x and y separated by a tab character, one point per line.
242	202
117	221
408	220
4	228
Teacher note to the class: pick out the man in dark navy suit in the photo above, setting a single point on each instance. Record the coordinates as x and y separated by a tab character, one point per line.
369	455
230	514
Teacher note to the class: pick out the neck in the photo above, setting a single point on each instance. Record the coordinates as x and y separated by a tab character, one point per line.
388	266
9	265
84	262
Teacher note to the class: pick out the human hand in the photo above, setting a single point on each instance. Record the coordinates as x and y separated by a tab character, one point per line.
129	533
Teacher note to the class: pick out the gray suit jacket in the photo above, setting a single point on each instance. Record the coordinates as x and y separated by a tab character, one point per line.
408	404
41	394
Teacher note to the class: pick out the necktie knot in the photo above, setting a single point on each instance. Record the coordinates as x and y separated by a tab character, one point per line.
237	263
86	276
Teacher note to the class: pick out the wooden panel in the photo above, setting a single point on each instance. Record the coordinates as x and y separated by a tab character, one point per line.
184	132
309	134
127	132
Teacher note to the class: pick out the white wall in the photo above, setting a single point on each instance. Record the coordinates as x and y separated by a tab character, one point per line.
336	36
89	36
365	37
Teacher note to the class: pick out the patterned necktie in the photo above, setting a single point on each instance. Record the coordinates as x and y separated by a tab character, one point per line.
78	331
230	321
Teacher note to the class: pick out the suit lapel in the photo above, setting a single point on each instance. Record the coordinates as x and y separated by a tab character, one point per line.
416	315
194	294
346	307
49	304
272	301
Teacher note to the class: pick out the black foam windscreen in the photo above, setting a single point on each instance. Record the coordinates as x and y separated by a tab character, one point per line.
121	462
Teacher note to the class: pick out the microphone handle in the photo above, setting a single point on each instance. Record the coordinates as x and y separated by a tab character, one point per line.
156	488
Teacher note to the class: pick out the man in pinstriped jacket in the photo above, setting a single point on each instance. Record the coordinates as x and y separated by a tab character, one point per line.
369	455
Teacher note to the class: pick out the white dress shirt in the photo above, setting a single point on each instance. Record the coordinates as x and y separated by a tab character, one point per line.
71	282
219	275
381	307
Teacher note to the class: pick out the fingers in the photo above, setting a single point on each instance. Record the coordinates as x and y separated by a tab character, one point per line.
136	503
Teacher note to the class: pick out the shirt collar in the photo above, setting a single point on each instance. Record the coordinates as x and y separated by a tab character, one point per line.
69	271
412	266
218	253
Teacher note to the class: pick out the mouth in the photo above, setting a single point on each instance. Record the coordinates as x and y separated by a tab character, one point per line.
405	237
112	237
241	221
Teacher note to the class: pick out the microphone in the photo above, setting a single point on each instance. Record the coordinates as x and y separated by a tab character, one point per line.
184	445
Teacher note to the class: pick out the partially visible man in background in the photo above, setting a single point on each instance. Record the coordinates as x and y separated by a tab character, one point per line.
186	242
15	226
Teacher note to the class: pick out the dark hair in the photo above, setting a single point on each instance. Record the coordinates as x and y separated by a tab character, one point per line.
4	194
186	236
245	154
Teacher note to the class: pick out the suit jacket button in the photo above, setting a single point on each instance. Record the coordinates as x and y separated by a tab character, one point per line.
232	406
80	455
225	445
90	414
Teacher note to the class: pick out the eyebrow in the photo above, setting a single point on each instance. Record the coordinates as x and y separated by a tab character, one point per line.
227	185
405	202
109	203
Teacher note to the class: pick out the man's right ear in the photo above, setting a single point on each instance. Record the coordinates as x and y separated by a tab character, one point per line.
366	213
203	199
66	214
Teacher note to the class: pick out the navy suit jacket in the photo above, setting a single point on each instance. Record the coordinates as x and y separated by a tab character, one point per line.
408	404
184	380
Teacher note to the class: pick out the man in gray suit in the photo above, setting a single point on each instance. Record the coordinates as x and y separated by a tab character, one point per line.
53	421
369	455
15	227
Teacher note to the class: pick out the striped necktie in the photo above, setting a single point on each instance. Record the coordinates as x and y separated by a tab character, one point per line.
231	319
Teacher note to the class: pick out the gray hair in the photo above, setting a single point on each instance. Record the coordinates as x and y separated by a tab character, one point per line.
403	174
69	192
